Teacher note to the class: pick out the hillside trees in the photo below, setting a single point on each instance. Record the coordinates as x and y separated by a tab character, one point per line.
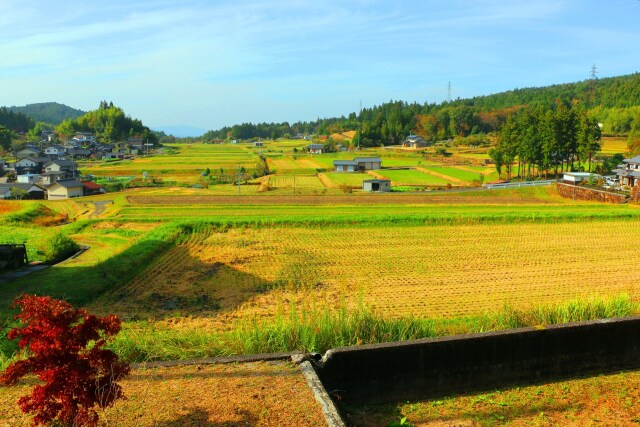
542	139
16	122
108	123
5	138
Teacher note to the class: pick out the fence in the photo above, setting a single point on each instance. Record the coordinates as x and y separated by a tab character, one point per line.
519	184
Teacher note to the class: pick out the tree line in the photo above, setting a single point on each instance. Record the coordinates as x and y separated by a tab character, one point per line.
541	140
614	101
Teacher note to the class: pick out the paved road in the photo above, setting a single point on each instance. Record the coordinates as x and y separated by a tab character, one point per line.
99	208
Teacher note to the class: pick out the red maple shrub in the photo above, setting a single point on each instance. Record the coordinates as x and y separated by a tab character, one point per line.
67	355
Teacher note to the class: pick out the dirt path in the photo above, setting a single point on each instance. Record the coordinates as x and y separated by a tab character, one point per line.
99	208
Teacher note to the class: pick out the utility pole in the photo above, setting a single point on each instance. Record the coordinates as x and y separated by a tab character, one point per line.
360	131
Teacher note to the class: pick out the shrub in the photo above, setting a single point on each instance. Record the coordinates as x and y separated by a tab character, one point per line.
67	354
59	247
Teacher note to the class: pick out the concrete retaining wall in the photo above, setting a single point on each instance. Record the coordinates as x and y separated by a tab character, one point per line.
569	191
435	367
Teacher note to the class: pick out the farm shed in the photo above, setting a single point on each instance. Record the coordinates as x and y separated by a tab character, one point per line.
258	144
368	163
345	165
578	177
376	185
357	164
13	256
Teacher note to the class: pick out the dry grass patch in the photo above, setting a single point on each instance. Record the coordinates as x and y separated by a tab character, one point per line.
607	400
256	394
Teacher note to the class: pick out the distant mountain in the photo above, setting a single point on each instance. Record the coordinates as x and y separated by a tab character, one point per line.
48	112
181	131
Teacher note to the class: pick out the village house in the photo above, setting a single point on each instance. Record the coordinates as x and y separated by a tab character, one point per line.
79	153
61	165
55	150
30	165
65	189
314	148
415	141
28	178
258	144
28	152
48	178
31	191
629	172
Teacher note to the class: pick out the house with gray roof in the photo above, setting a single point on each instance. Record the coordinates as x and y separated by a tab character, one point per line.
32	191
629	172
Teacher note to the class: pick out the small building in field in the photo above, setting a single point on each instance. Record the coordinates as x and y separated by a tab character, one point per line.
315	148
376	185
629	172
578	177
258	144
368	163
65	189
345	165
357	164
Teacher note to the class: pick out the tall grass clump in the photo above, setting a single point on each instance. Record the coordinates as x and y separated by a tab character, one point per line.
58	247
318	330
577	310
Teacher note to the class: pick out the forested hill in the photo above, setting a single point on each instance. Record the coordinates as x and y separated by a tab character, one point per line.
613	101
48	112
622	91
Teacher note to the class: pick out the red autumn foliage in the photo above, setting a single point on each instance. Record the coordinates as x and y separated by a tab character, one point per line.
68	357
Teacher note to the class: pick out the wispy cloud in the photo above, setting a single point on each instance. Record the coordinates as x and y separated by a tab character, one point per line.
170	58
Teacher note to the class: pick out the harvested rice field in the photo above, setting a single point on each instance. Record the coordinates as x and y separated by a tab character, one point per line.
248	394
427	271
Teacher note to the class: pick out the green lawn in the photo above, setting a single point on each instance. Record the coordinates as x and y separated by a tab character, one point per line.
412	177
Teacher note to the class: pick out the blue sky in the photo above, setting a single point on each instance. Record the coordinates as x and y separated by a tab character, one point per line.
209	63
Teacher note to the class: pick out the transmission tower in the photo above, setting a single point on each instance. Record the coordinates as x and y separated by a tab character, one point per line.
592	85
449	92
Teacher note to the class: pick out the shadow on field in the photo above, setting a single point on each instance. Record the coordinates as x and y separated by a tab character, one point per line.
199	417
180	284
